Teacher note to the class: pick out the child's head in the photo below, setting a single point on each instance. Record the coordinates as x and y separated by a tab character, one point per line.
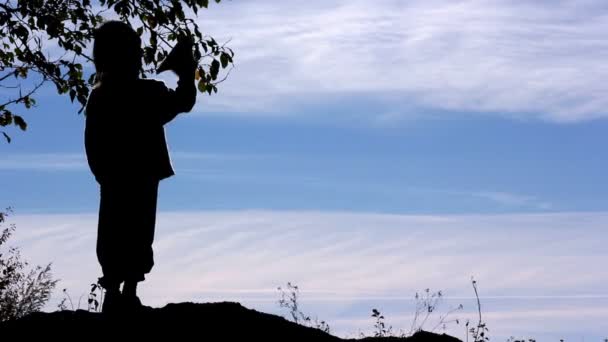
117	50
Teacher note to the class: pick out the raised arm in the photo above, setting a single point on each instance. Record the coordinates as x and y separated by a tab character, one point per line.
180	100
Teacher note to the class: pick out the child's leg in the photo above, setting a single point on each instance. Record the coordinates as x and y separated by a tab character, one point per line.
110	246
140	235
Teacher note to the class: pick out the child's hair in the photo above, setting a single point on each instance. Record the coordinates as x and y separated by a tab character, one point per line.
116	50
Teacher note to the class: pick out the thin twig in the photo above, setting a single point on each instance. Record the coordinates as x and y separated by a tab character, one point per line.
22	97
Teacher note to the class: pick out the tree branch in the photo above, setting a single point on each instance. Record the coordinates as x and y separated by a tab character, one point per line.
23	97
12	73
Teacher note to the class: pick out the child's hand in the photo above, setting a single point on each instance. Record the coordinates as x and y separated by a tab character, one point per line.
180	60
186	68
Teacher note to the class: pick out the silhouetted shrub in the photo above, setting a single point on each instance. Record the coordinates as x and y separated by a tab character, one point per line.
21	291
289	301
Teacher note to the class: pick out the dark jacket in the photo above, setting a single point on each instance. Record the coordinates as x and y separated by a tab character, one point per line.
124	134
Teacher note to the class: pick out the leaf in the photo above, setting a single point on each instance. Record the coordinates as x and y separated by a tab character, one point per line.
91	79
152	22
8	139
20	122
215	69
225	59
6	118
202	86
82	99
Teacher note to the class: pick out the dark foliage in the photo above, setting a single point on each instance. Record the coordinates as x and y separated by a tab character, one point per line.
47	41
21	292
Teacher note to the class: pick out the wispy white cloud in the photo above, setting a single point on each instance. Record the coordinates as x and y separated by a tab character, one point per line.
182	155
78	161
44	161
510	199
523	59
209	166
357	258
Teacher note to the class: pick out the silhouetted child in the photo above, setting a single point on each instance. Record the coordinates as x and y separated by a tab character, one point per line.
128	155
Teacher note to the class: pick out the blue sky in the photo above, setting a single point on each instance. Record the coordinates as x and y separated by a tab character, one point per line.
484	117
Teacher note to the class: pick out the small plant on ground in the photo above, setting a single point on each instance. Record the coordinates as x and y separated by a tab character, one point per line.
479	332
94	300
289	301
427	303
380	329
67	299
21	291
